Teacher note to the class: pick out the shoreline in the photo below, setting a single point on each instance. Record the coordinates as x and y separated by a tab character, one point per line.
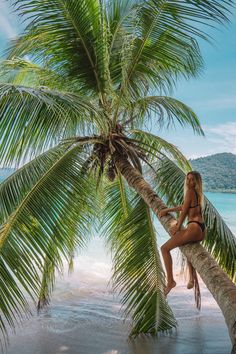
85	317
88	320
224	191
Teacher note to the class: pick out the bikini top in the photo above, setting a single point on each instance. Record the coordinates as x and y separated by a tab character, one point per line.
198	204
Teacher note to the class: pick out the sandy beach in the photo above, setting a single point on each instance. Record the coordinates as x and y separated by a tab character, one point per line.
86	318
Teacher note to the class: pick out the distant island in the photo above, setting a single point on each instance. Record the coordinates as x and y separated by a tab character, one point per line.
218	172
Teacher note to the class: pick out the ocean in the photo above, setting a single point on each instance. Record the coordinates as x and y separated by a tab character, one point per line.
85	317
225	203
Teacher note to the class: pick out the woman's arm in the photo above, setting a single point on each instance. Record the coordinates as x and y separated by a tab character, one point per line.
164	212
177	208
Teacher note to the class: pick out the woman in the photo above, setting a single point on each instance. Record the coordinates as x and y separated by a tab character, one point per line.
195	231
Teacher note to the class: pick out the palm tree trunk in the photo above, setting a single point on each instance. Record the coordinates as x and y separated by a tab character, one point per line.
216	280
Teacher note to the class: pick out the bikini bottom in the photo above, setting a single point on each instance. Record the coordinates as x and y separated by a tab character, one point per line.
201	224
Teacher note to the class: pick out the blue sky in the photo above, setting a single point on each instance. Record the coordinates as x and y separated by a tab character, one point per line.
212	96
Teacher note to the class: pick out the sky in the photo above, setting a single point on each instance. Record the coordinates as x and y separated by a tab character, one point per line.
212	96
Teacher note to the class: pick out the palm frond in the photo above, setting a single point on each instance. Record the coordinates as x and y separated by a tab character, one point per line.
158	147
51	115
138	273
18	184
164	43
48	279
14	188
78	232
164	112
219	241
118	198
19	71
120	18
61	194
69	29
118	13
50	268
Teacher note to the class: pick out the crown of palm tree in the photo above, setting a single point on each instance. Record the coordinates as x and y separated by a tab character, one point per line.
80	86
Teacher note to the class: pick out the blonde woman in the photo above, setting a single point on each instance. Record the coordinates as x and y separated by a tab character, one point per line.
195	230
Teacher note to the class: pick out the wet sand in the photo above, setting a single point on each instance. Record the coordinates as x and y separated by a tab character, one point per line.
94	326
86	318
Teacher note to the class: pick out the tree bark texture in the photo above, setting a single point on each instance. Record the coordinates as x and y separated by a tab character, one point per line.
216	280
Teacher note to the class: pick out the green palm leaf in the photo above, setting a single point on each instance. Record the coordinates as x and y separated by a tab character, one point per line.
156	146
20	71
118	198
138	273
163	46
167	110
51	115
17	185
76	25
48	278
14	188
219	240
59	203
50	267
119	15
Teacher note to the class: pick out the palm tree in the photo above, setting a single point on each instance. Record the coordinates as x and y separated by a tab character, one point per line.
77	92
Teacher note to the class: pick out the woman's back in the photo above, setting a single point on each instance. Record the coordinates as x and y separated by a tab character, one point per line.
195	210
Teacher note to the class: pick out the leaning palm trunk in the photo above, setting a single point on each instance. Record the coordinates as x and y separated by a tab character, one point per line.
216	280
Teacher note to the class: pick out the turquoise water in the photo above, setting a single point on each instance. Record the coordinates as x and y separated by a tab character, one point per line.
225	203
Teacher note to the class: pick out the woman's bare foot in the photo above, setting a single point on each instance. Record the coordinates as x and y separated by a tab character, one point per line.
168	287
190	284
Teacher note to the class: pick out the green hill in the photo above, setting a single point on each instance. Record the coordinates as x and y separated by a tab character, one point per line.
218	172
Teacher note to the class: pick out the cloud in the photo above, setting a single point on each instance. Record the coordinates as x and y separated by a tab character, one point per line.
7	27
219	138
223	136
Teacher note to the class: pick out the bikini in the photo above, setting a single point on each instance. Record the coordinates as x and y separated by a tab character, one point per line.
201	224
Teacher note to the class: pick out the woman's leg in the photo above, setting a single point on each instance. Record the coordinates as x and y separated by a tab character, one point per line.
191	270
169	271
179	239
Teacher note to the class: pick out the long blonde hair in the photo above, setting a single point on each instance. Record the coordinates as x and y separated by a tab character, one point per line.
198	186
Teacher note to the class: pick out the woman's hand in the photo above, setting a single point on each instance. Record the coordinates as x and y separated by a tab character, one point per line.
162	213
174	229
